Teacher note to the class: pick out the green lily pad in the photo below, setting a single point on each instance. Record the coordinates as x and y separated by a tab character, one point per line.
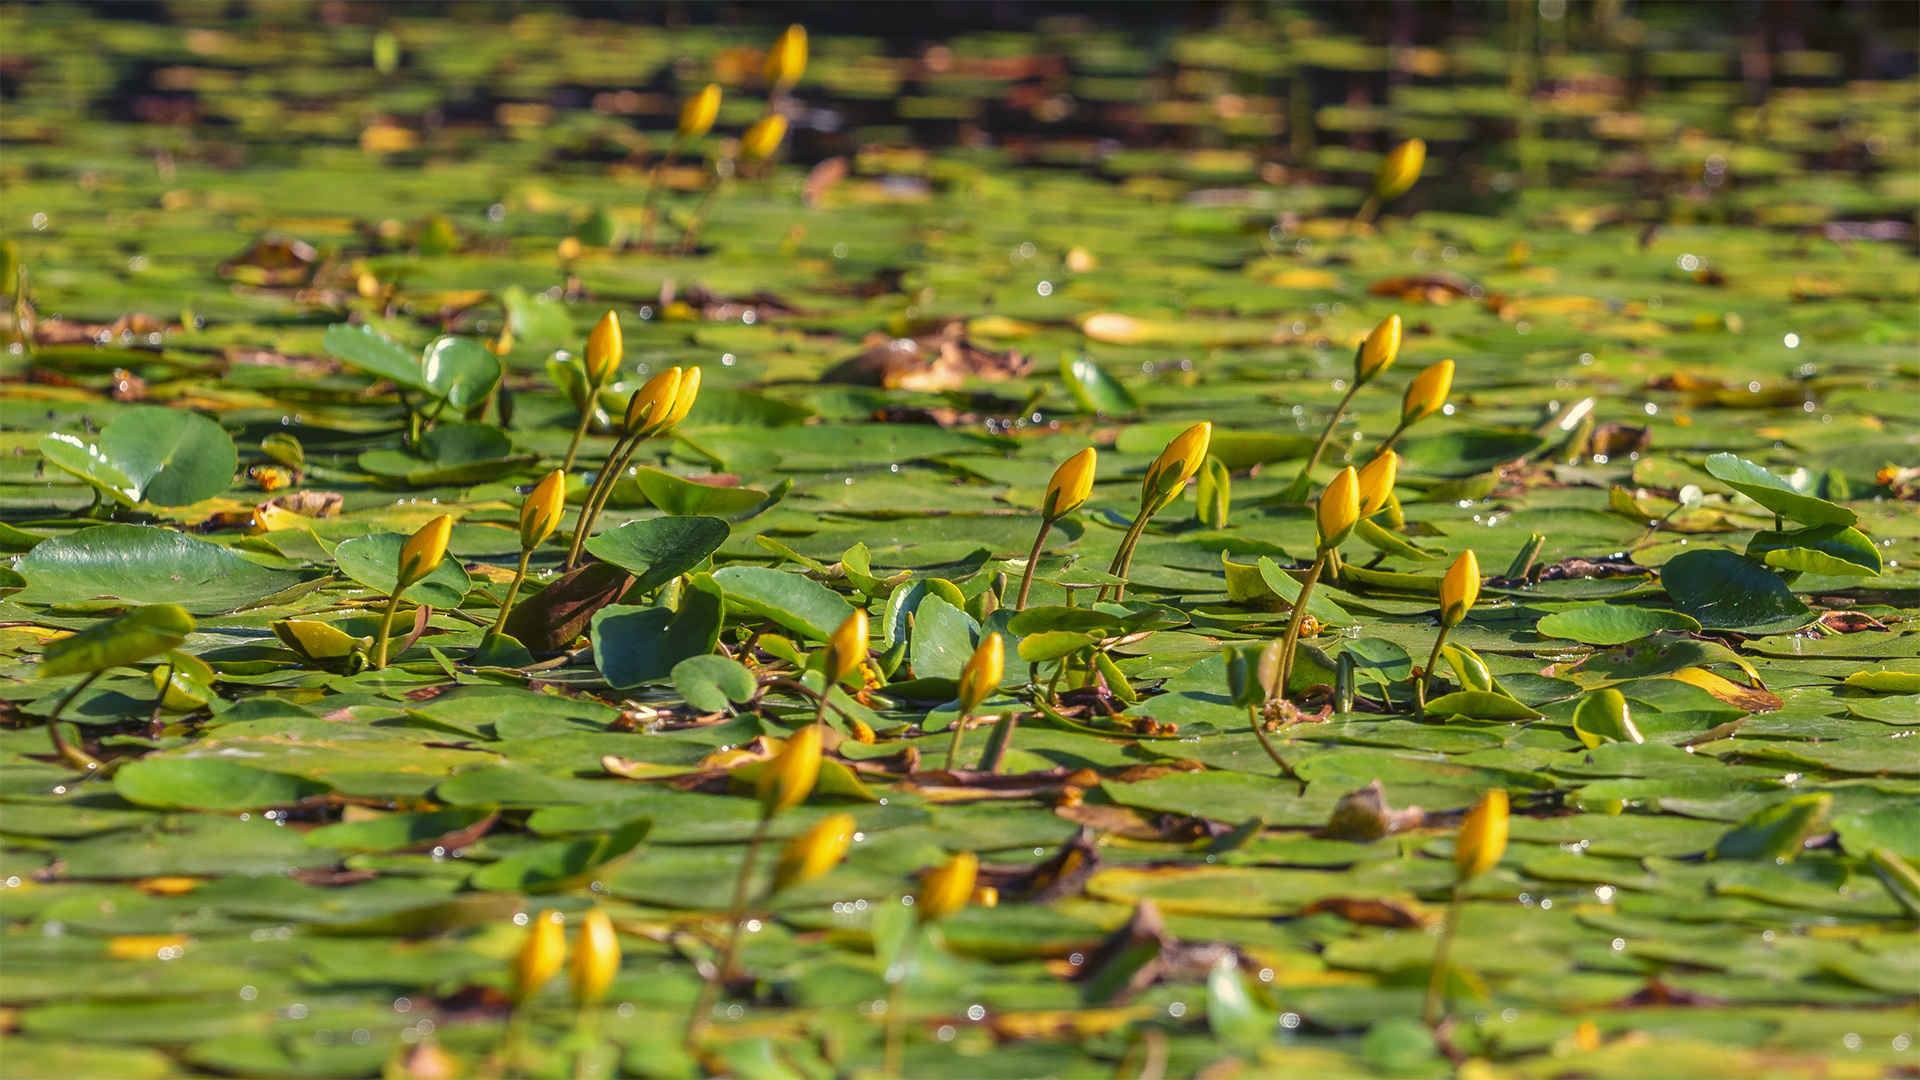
144	564
209	784
1612	624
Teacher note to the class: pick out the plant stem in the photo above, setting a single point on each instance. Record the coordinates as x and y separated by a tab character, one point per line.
386	627
1320	447
1253	718
506	606
1123	559
1292	640
724	970
953	748
68	752
580	429
598	494
1391	439
1437	982
601	480
1033	558
1367	209
1426	677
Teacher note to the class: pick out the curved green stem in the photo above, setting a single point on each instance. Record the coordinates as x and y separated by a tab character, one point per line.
1333	421
513	590
386	626
1421	688
1123	558
953	748
1367	209
1390	440
68	752
1033	558
599	493
1259	725
1292	640
580	429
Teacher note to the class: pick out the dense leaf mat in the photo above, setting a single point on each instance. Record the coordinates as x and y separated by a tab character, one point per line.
303	867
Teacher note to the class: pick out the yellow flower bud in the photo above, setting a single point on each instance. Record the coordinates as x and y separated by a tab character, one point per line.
787	60
1376	482
787	780
541	955
848	646
1177	463
810	855
424	550
1483	836
1071	484
596	958
1377	352
986	896
763	138
653	403
683	400
700	111
1399	169
981	676
541	513
947	889
1427	393
604	349
1459	588
1338	509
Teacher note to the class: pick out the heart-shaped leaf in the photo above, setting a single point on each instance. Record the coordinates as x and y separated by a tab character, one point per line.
1726	590
459	370
635	645
709	683
660	549
173	456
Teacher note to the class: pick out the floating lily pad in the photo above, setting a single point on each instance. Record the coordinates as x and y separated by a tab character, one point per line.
144	564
